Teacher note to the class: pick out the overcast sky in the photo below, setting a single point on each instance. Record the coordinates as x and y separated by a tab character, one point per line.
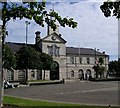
93	31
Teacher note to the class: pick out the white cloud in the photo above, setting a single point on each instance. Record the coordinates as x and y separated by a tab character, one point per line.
94	30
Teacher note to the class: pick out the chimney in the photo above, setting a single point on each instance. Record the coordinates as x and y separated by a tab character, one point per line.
37	38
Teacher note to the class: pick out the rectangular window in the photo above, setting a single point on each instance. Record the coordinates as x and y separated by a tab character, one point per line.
50	50
80	60
88	60
32	74
53	50
72	60
57	51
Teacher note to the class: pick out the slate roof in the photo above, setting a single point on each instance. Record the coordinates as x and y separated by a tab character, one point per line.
83	51
16	46
69	50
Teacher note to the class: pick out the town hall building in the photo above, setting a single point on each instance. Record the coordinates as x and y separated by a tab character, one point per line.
70	62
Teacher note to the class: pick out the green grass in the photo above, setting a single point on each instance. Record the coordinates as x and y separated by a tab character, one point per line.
23	103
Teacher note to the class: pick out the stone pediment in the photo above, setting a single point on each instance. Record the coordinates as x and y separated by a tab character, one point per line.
54	37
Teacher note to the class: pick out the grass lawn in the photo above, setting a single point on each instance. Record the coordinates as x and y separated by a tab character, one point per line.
25	103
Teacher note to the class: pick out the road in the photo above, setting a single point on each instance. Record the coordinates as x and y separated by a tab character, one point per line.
99	93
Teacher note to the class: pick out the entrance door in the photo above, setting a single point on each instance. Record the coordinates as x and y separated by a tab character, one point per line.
54	72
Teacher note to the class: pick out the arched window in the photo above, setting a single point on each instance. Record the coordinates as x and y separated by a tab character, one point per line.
80	74
88	74
72	73
88	71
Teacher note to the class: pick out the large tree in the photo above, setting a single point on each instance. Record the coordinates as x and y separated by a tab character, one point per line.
34	11
27	58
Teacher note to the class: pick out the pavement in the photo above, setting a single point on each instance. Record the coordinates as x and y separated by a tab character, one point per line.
79	92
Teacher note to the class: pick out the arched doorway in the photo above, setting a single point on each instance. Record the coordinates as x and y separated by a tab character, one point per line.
72	74
81	74
54	71
88	74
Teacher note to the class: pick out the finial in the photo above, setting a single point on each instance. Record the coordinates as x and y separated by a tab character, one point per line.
52	10
53	7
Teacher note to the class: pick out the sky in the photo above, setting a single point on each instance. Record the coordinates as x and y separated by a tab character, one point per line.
93	30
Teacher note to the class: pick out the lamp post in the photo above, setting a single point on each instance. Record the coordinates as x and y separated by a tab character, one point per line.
27	23
96	63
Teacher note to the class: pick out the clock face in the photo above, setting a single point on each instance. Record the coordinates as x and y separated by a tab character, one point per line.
53	37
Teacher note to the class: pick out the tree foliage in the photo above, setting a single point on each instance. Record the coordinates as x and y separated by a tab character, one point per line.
46	60
9	58
99	68
114	68
27	57
34	11
110	8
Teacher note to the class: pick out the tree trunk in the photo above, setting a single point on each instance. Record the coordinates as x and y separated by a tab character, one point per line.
26	70
1	71
1	81
44	75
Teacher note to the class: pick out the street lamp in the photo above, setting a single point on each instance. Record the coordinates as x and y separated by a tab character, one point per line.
27	23
96	63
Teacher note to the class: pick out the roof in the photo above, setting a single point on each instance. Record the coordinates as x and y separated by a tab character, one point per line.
16	46
69	50
83	51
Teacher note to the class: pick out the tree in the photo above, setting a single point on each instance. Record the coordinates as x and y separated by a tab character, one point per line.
114	69
34	11
9	58
99	68
110	8
101	61
27	58
46	61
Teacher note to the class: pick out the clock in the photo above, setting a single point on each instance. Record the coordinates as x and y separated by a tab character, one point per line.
53	37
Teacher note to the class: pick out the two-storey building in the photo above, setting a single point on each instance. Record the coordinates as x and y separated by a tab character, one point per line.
70	62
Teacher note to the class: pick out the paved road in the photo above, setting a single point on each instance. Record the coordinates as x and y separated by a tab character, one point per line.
103	93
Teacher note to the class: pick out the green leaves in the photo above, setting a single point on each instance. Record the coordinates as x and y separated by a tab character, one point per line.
35	11
46	61
28	57
114	68
8	58
111	9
